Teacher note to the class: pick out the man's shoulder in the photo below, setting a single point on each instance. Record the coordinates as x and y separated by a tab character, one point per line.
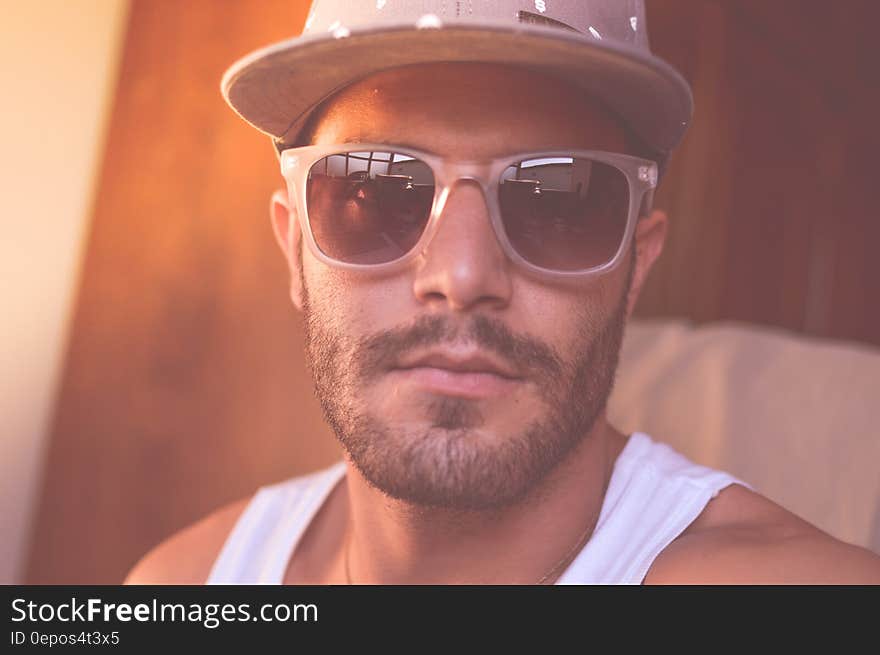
743	537
187	556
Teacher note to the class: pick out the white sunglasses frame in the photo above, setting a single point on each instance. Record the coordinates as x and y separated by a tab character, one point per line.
641	175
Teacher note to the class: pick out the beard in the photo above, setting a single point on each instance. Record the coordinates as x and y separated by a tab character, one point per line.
449	461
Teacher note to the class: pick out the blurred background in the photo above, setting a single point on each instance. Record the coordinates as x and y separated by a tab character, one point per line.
152	363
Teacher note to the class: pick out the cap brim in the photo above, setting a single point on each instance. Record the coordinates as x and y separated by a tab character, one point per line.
275	88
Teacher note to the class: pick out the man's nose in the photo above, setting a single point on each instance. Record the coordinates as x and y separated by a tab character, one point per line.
464	265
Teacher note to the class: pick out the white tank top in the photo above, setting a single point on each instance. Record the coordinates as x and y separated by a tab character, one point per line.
653	495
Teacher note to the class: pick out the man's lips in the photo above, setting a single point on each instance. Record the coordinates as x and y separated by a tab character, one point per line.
469	361
466	374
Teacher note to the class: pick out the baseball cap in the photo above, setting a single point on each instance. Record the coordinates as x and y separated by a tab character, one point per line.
600	46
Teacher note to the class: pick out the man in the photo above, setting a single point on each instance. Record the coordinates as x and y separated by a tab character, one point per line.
468	226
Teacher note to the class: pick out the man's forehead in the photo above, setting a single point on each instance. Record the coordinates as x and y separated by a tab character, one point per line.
483	109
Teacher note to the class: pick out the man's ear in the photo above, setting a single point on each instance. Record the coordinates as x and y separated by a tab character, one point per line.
288	235
649	239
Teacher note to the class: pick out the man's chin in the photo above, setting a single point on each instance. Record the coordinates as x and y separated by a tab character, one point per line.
453	467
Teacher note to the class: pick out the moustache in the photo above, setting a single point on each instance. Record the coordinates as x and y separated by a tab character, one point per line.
376	354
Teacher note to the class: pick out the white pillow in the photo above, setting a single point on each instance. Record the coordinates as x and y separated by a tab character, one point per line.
793	416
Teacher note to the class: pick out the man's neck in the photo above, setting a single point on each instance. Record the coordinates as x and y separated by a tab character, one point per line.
389	541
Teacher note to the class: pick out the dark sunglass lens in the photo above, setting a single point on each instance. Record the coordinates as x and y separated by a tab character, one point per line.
564	213
368	207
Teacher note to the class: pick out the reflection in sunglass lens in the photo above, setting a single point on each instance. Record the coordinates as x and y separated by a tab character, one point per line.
368	207
564	213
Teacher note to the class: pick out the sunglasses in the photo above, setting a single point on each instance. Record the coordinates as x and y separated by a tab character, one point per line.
559	213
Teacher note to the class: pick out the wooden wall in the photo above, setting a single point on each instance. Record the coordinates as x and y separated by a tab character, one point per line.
185	385
772	195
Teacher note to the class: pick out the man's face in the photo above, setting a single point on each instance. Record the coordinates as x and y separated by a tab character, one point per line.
562	339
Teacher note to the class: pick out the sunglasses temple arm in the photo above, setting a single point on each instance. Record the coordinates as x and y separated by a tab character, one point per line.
647	203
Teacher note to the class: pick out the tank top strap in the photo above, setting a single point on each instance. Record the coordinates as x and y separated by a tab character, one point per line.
260	545
654	494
